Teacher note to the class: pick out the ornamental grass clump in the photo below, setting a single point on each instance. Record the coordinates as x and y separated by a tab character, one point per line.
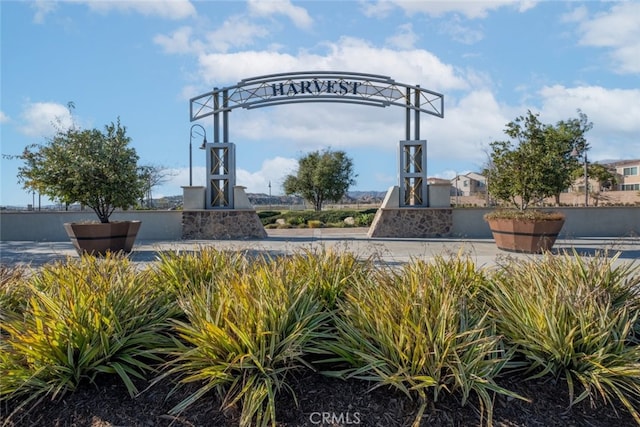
328	272
82	319
418	330
13	292
178	271
573	317
243	339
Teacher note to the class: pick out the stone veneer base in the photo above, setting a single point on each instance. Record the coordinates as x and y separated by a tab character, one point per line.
412	222
222	224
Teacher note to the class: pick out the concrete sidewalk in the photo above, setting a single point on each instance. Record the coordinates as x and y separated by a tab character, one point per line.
284	241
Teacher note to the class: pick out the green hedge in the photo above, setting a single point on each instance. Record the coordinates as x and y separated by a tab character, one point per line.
362	217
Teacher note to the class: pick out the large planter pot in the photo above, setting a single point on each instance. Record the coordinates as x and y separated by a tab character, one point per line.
525	235
98	238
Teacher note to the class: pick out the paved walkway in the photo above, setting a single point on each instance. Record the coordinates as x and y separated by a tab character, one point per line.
282	241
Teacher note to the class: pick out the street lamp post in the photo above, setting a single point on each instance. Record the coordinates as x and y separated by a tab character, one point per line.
204	143
586	181
575	153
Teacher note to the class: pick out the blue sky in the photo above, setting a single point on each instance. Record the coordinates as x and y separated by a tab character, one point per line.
143	60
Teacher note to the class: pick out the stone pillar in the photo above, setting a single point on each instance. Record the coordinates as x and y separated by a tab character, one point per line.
240	199
222	224
440	195
410	222
193	197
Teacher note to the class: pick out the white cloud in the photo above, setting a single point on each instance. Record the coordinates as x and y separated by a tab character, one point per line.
273	170
468	127
179	42
236	31
3	117
42	9
614	113
41	119
578	14
412	66
298	15
471	9
619	30
405	38
170	9
461	33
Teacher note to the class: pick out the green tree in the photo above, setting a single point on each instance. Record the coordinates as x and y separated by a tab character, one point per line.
97	169
540	164
322	176
606	179
566	140
152	176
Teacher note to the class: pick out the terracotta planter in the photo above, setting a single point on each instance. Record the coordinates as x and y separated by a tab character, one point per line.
527	236
98	239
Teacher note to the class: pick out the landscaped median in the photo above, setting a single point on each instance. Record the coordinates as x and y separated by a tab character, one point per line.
242	333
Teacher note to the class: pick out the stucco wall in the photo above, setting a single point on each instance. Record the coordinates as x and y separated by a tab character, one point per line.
580	222
48	226
167	225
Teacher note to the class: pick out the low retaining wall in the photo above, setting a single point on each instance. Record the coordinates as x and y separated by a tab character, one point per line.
48	226
222	224
614	221
464	223
412	222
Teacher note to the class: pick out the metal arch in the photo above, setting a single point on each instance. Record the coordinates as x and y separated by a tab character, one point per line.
317	86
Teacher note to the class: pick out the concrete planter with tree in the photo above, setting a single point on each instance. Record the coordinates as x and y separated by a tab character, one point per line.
96	169
540	165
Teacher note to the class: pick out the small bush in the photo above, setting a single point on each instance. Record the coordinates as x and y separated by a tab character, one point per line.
314	223
364	220
83	318
573	317
296	220
268	217
417	331
243	339
13	291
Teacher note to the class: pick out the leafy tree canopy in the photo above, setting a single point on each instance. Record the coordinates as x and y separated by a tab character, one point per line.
97	169
322	176
538	161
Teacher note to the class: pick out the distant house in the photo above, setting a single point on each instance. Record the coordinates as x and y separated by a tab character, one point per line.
627	174
470	184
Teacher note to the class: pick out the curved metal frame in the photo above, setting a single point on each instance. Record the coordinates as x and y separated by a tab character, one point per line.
316	86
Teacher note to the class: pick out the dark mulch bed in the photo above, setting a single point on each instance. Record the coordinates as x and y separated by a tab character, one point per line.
345	403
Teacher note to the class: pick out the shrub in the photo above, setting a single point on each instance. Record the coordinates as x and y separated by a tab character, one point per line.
417	331
179	271
83	319
243	339
364	220
314	223
296	220
268	217
573	317
329	273
13	292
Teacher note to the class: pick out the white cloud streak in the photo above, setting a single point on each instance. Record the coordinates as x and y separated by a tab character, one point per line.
618	30
476	9
167	9
296	14
42	119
